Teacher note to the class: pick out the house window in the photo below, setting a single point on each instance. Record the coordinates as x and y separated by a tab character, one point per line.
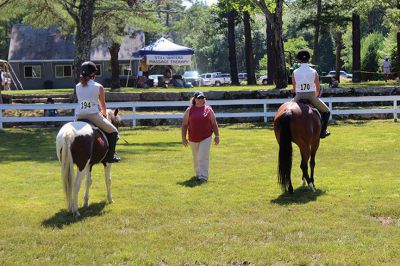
99	71
124	69
33	71
63	71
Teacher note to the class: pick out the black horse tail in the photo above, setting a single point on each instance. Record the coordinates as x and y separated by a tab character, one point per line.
285	151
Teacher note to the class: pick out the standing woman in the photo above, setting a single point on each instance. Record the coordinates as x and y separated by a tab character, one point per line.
92	106
200	120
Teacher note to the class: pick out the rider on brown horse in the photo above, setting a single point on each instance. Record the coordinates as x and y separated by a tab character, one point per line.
305	82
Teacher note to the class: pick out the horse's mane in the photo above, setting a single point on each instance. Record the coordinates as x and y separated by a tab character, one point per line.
114	119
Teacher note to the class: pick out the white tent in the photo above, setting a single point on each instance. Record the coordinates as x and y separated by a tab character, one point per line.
165	52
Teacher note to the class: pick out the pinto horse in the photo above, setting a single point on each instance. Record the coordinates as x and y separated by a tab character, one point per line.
78	143
298	123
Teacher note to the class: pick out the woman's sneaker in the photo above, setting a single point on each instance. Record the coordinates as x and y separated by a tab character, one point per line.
201	179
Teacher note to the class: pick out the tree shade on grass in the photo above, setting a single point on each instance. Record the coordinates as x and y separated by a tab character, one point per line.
160	217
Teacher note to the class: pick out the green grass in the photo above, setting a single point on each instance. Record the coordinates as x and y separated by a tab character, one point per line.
155	89
160	217
343	84
347	83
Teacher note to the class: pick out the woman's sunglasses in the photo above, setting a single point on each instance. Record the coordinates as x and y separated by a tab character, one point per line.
201	97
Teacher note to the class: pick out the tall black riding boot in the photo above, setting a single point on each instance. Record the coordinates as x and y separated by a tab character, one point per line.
324	124
112	141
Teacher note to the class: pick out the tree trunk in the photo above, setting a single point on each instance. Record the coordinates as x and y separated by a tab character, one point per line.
115	81
398	51
356	38
83	38
338	64
251	77
398	41
232	48
271	70
275	19
315	57
281	77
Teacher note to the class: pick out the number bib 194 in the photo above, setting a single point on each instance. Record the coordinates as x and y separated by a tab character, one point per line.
83	105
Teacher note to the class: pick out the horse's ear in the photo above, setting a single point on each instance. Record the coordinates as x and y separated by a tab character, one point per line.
116	112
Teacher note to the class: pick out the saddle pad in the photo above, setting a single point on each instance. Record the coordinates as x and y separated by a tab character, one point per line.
95	128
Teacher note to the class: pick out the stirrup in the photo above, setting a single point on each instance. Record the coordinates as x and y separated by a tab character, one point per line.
325	134
115	159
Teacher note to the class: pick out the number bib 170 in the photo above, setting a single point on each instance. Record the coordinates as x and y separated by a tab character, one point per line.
305	86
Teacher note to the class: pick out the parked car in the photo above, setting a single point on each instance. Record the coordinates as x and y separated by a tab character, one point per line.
263	79
213	79
343	74
192	77
155	79
242	77
227	78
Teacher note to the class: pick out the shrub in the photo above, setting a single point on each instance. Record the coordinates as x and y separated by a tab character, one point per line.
370	46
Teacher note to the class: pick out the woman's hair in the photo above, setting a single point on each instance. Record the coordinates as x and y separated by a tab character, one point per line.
193	101
88	72
84	80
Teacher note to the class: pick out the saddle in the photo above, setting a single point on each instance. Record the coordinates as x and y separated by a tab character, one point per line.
315	110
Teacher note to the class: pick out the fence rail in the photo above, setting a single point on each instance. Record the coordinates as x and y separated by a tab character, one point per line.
390	108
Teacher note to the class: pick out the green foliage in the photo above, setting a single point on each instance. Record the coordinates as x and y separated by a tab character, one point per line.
292	46
370	46
11	13
263	63
160	217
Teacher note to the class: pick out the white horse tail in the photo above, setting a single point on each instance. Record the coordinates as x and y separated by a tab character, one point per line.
64	141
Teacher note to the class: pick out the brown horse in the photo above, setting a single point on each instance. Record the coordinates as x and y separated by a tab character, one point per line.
78	143
296	122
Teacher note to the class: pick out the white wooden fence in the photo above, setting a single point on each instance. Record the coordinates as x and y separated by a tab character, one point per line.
390	108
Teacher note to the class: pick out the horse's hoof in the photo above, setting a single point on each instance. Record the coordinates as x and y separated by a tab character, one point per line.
86	205
77	215
110	201
311	186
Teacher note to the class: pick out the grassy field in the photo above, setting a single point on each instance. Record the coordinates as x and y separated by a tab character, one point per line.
343	84
161	217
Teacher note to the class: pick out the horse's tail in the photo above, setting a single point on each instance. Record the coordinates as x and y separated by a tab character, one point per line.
285	151
64	141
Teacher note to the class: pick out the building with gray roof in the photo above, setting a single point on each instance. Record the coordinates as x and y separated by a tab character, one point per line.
43	58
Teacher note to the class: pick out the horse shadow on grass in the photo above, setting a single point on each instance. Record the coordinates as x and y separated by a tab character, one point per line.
301	195
192	182
64	218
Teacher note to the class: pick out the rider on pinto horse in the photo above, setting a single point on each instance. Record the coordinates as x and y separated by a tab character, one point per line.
305	82
91	100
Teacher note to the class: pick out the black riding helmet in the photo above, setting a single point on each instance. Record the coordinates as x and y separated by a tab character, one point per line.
303	56
88	69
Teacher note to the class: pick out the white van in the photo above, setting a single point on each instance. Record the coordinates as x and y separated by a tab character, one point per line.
213	79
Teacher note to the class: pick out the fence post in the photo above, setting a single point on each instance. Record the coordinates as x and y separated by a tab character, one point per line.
133	114
395	110
265	113
1	117
330	108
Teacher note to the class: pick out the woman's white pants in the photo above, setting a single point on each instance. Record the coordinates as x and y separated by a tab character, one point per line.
201	157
